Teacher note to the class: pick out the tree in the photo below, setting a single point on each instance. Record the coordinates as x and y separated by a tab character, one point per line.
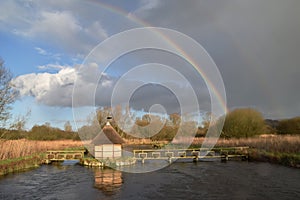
175	119
147	118
139	129
46	132
121	118
244	122
68	126
289	126
102	114
47	124
20	121
202	130
8	93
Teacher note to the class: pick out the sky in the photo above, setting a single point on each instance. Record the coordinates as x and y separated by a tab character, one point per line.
45	44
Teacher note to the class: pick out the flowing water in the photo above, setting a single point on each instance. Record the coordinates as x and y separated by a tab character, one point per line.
203	180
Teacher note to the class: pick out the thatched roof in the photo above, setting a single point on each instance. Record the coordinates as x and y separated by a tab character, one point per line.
108	135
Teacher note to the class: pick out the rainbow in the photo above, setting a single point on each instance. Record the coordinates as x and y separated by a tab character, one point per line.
140	22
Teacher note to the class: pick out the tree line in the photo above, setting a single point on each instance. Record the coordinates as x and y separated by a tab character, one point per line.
39	132
238	123
248	122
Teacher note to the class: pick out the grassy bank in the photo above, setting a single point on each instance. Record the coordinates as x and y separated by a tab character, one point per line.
278	149
18	155
20	164
287	159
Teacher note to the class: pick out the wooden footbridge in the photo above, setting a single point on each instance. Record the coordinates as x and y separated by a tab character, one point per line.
170	155
62	155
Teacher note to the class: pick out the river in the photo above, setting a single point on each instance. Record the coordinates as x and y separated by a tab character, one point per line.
203	180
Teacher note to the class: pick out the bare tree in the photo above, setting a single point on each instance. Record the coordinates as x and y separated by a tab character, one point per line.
68	126
175	119
8	93
102	114
20	121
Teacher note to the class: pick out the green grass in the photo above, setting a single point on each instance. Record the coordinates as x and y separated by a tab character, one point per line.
75	148
20	164
13	160
286	159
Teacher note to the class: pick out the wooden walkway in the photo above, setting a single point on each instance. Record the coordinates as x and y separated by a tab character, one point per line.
62	155
170	155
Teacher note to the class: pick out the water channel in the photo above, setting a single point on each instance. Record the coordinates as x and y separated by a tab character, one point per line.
202	180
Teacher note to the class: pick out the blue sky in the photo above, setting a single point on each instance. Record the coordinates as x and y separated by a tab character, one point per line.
253	43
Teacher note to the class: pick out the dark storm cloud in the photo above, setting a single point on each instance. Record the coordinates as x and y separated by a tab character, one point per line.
254	43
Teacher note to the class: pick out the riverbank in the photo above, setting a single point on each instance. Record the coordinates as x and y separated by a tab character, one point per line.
20	155
277	149
286	159
20	164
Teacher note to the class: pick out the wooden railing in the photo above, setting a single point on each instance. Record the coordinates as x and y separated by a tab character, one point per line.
197	153
64	155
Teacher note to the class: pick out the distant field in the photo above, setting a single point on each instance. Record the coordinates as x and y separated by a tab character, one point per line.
10	149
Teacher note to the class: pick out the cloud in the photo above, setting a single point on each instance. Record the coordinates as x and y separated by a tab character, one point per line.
41	51
51	67
91	89
62	25
48	89
44	52
57	89
145	6
65	31
54	23
254	43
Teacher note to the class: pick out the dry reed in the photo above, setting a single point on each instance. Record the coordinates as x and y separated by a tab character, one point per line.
10	149
274	143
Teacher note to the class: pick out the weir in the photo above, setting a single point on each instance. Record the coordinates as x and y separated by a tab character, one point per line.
61	155
196	154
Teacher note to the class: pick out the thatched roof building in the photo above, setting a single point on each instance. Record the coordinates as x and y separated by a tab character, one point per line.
108	135
108	143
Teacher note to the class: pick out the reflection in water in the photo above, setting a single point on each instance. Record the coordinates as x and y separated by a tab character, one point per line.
109	181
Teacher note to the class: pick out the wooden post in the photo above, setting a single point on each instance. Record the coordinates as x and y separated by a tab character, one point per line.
47	161
195	159
224	156
196	155
244	157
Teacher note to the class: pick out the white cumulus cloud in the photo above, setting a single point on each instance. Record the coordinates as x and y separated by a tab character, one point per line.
57	89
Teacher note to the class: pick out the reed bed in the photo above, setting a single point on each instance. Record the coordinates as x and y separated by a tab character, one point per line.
279	149
273	143
10	149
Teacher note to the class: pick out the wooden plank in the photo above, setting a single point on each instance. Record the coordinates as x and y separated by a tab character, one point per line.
63	151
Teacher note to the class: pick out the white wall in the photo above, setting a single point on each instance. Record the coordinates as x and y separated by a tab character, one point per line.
108	151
